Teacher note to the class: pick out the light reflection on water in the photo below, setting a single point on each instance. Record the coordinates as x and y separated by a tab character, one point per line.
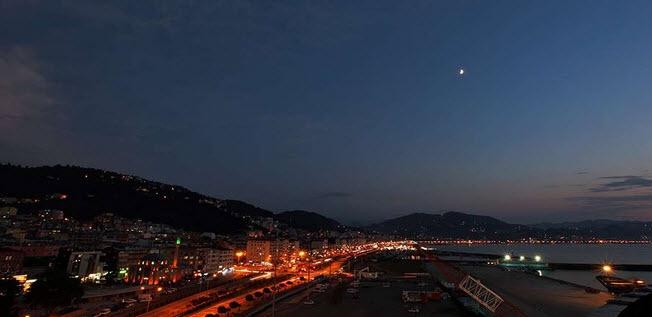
566	253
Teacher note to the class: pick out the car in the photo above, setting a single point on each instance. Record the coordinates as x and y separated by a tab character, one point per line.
144	298
129	300
103	312
308	302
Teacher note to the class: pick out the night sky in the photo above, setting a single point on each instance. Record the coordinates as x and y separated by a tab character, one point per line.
354	109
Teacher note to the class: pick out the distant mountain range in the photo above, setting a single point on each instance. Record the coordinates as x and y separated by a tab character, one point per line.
83	193
466	226
452	225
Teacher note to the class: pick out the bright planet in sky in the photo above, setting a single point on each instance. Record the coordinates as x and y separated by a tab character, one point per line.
461	71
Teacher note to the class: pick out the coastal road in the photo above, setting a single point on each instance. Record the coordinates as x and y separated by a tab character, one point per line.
178	307
334	266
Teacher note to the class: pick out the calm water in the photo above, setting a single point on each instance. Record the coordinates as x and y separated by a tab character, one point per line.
566	253
572	253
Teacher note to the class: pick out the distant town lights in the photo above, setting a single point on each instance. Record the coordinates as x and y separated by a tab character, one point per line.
521	258
508	257
537	258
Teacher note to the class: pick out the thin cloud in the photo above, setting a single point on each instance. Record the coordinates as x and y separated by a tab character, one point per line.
24	91
621	183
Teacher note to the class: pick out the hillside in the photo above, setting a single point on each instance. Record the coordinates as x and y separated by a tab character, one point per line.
84	193
307	220
451	225
601	228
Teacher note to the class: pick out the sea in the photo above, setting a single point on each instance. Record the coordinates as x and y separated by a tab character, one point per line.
571	253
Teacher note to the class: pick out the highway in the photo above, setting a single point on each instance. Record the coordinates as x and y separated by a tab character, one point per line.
183	307
180	306
333	266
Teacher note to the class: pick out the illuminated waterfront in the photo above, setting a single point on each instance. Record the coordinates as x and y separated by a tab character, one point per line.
592	253
564	252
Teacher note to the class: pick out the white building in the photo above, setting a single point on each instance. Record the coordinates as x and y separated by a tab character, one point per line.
216	260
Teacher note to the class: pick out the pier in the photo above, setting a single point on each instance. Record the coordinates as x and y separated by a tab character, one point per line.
519	293
537	296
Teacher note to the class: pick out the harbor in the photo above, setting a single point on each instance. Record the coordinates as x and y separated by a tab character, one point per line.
411	282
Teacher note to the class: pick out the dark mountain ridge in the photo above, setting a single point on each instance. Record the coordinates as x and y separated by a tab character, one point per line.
451	225
308	220
83	193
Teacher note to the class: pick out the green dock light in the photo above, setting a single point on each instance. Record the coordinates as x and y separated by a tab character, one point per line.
178	241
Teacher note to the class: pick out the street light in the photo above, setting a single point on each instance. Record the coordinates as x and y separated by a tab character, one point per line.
607	268
537	258
302	254
239	254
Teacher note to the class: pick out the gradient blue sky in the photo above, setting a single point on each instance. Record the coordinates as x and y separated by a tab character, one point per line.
350	108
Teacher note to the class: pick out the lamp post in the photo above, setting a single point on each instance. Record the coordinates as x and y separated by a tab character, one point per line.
238	255
303	254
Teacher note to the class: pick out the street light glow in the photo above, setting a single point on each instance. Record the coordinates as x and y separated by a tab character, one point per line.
537	258
508	257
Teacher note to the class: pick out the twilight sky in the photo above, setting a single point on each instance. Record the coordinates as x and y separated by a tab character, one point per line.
351	108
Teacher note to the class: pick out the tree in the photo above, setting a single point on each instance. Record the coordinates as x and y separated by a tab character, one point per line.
222	310
9	288
54	289
234	304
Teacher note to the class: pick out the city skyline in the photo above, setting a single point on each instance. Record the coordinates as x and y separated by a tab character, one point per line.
356	111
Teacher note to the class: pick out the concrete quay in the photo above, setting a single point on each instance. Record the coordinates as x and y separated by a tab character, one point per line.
537	296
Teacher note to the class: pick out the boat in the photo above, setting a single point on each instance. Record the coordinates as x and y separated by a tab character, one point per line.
619	285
